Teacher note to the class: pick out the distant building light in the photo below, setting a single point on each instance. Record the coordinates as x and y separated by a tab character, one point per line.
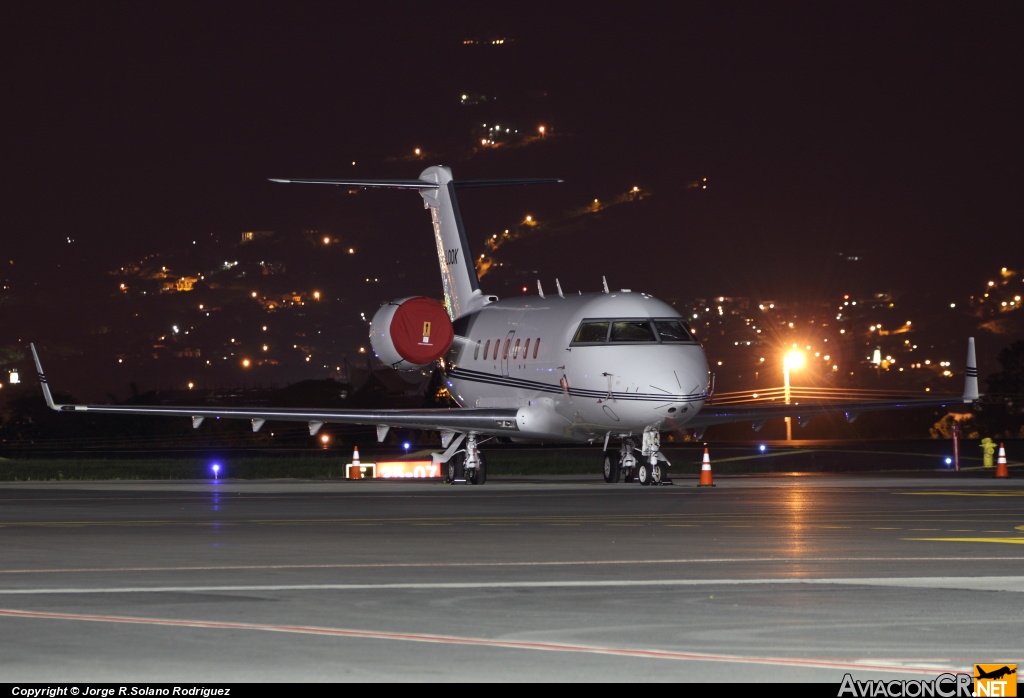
13	378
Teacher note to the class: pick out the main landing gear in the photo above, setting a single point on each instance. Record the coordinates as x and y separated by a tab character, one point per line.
466	465
650	469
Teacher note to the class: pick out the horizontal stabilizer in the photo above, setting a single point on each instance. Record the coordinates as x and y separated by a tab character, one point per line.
420	183
392	183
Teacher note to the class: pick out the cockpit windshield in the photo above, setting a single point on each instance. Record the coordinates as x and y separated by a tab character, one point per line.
591	333
633	331
673	331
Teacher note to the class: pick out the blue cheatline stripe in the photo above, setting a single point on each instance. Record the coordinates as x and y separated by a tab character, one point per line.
523	384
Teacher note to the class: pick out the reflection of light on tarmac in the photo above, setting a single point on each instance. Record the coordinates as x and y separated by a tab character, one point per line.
215	506
795	506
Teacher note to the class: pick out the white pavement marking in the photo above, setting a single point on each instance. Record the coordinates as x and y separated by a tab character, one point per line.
1014	584
524	563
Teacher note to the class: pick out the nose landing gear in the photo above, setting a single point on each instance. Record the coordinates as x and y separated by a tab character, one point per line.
650	468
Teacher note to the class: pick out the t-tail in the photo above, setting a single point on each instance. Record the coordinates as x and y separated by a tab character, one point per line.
458	274
436	185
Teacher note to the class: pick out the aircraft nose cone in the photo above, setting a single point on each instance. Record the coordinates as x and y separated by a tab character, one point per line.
679	387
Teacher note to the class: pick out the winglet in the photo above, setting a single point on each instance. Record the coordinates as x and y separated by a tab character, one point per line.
971	373
42	380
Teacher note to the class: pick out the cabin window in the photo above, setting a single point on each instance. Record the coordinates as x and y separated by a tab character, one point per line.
591	332
515	350
476	351
504	354
632	331
497	346
526	348
536	346
486	349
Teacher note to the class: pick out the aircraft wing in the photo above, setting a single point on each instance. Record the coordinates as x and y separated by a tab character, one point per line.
758	414
484	421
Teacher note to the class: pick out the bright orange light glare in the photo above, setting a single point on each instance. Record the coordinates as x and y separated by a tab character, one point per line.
794	359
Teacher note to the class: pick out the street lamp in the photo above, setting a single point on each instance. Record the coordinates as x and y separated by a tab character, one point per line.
793	359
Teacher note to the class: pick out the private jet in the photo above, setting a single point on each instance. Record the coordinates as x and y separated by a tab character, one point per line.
617	368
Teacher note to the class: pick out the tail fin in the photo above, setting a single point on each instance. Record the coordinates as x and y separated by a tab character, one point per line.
461	285
437	187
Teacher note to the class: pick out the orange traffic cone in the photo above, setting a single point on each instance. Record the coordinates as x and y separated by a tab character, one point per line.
355	472
706	479
1001	469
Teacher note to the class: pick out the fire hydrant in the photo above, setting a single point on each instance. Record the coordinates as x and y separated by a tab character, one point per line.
988	449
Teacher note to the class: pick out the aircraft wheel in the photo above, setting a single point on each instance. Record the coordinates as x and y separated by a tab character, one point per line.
455	469
643	474
480	474
656	473
612	469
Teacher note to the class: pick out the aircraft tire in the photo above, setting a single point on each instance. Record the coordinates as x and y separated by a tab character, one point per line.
656	474
480	476
643	474
612	468
455	470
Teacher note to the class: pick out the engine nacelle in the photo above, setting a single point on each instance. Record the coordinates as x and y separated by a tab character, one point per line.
411	332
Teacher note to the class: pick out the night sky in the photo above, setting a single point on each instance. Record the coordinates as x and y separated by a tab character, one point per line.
893	131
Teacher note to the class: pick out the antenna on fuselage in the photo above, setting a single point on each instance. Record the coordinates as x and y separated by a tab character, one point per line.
540	289
604	282
559	287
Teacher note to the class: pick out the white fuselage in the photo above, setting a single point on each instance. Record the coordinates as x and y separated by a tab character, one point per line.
521	353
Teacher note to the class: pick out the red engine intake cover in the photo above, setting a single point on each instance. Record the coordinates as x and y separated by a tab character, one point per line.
421	330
